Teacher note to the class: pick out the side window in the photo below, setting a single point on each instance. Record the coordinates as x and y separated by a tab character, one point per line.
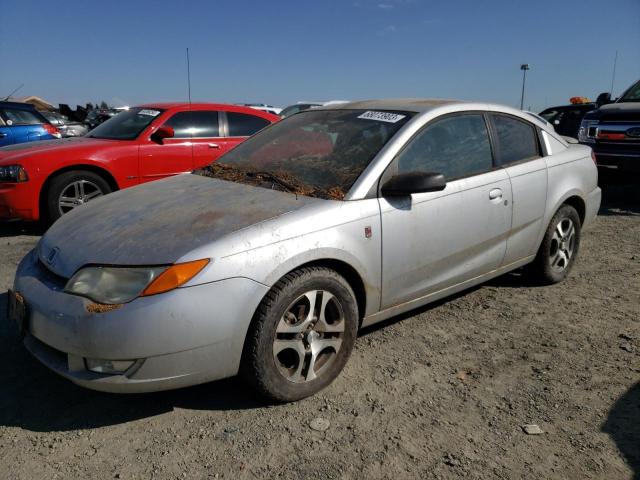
196	123
244	125
517	140
21	117
456	146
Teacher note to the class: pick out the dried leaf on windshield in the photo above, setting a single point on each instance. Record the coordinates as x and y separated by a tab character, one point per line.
283	180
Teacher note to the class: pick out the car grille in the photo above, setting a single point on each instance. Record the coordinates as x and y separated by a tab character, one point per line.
621	117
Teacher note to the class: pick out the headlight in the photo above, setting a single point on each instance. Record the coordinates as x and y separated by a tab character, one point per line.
13	173
116	285
588	131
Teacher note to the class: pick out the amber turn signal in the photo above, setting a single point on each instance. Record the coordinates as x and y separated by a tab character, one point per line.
174	276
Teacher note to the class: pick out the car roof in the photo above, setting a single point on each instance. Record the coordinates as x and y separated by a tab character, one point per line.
217	106
20	105
417	105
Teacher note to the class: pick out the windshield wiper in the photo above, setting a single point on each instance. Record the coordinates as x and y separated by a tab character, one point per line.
275	179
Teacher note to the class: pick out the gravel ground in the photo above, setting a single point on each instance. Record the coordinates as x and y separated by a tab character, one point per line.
442	392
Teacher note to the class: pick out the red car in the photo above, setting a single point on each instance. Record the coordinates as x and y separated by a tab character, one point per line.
48	178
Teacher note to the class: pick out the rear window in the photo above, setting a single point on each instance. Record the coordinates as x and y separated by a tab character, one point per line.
16	116
244	125
517	140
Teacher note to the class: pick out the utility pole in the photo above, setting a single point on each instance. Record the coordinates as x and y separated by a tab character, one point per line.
524	67
613	75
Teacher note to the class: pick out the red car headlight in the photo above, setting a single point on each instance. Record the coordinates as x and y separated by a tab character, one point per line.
13	174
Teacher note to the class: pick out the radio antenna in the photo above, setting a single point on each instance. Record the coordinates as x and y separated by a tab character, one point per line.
14	91
188	77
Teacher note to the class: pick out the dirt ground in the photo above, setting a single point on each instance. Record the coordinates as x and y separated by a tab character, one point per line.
440	393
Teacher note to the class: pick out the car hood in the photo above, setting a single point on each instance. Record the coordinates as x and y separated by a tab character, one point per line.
43	148
158	222
621	107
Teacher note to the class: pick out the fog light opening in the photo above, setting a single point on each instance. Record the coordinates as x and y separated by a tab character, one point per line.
112	367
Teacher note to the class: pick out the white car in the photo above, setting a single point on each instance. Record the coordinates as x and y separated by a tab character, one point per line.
264	107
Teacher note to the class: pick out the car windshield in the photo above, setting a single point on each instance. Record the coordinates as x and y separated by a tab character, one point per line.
318	153
126	125
632	95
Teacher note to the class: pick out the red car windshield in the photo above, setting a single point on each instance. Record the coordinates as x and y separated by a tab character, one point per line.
126	125
319	153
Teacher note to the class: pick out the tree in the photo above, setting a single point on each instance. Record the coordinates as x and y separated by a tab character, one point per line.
103	105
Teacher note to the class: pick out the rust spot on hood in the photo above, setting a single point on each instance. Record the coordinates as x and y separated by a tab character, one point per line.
101	307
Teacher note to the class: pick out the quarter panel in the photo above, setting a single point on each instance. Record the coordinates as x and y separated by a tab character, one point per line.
570	173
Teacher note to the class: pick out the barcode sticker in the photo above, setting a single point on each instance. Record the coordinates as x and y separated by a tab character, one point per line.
151	113
382	116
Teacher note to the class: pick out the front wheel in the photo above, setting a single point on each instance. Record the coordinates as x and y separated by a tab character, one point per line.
559	248
72	189
302	335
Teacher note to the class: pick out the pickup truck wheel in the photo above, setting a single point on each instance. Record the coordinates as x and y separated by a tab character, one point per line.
72	189
301	336
559	248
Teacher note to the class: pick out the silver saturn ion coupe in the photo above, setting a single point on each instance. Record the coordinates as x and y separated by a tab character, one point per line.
267	262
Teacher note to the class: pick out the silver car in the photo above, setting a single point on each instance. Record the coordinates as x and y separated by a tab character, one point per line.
268	262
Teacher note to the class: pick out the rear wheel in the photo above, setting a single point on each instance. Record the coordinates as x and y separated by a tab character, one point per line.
72	189
559	248
302	335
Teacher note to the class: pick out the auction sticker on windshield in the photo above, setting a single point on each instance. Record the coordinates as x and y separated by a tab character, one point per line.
382	116
151	113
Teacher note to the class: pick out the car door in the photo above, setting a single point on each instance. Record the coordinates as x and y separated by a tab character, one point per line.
519	152
196	142
22	125
434	240
6	137
240	126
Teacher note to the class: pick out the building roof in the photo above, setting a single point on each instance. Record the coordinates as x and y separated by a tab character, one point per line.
39	103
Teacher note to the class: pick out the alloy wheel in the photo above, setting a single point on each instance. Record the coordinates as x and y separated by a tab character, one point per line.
562	244
309	336
77	193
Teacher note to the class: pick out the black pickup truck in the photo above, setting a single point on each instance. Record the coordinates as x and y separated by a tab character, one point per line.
613	130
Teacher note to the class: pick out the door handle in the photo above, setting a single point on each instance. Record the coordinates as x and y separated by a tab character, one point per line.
214	145
495	194
2	135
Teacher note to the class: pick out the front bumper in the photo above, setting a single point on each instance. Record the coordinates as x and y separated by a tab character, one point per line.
18	201
184	337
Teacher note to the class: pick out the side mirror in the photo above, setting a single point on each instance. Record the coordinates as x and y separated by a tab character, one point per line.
162	133
603	99
404	184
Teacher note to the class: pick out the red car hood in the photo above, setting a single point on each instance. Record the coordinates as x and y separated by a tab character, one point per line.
12	153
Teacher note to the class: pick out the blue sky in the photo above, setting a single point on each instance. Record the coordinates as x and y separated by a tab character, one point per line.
279	52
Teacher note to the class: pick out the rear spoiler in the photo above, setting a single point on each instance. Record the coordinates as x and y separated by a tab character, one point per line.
569	139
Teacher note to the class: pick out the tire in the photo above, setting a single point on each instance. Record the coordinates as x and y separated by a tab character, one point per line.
559	247
290	356
79	187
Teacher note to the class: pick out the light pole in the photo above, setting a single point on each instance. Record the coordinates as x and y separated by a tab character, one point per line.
524	67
